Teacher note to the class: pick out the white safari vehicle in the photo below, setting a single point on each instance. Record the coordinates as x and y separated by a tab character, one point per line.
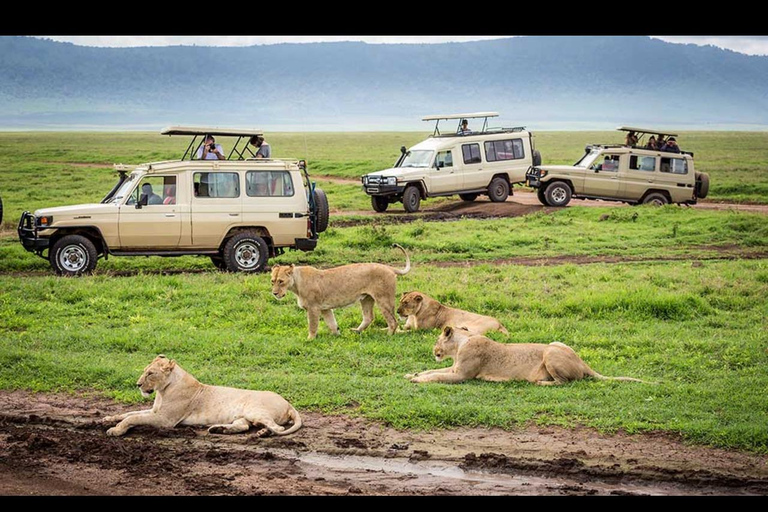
239	211
467	162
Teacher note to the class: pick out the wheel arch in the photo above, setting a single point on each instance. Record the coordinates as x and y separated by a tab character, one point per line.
262	231
92	233
661	191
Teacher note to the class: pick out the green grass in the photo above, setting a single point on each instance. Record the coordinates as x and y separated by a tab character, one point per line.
40	169
699	331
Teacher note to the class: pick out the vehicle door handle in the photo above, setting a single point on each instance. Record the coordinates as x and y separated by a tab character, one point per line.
170	214
234	214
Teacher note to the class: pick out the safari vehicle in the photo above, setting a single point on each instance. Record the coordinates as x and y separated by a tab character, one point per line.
239	211
632	174
470	164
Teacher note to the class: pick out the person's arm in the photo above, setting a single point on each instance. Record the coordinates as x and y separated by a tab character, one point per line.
218	153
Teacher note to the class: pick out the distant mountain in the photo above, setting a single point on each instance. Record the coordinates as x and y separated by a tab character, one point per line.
582	82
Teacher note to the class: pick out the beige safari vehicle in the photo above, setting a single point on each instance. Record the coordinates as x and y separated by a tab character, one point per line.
239	211
632	174
464	162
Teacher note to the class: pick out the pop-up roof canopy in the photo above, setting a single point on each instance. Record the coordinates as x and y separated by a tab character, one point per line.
202	131
645	130
460	117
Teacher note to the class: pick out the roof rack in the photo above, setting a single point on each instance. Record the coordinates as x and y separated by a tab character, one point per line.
460	117
202	131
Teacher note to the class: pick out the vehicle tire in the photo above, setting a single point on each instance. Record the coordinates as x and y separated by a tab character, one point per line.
558	193
656	199
218	262
245	252
411	199
73	255
1	210
536	158
540	195
321	210
498	190
702	186
380	203
468	197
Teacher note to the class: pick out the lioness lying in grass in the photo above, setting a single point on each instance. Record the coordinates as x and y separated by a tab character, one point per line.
477	357
319	292
182	400
424	312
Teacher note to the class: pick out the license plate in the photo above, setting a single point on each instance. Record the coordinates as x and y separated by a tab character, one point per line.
372	189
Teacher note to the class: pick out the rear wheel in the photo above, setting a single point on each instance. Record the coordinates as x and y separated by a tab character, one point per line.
468	197
558	193
73	255
656	199
411	199
245	252
379	203
321	210
498	190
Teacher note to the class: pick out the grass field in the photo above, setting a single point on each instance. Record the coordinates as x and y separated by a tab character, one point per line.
700	330
46	169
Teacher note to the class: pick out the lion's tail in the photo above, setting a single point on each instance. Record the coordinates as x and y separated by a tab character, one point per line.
597	376
296	418
407	262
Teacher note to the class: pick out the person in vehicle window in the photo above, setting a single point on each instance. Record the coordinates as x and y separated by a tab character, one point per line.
652	143
264	150
210	150
660	141
671	146
631	139
152	198
464	130
170	194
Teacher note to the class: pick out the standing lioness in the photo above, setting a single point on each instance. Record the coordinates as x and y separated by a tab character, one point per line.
477	357
322	291
182	400
424	312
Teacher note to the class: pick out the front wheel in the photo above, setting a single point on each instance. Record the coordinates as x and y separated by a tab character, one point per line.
411	199
379	203
498	190
468	197
73	255
245	252
558	193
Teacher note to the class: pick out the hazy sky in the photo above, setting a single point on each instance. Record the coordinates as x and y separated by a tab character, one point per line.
752	45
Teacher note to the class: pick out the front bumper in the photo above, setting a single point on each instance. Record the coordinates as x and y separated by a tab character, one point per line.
374	187
306	244
533	177
29	235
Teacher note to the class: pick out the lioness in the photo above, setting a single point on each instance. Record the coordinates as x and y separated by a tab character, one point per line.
424	312
182	400
321	291
477	357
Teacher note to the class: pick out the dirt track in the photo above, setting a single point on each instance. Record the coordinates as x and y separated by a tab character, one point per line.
55	444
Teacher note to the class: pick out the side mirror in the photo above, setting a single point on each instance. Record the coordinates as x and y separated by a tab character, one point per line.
402	149
439	165
143	201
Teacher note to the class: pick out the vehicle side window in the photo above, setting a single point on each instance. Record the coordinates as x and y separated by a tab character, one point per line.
642	163
157	189
606	163
504	150
216	184
444	159
471	153
674	165
268	184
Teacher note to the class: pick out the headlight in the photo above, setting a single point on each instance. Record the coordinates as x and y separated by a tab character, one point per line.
365	180
391	180
542	173
44	221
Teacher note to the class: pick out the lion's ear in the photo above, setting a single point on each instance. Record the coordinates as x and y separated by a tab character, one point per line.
289	270
172	364
419	298
448	331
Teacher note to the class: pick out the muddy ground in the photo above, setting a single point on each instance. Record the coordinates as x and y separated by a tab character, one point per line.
55	444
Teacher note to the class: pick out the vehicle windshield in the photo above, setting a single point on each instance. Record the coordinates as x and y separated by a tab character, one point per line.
418	158
125	188
587	159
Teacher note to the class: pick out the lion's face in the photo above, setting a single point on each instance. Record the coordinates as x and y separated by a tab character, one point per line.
282	279
410	303
155	376
448	343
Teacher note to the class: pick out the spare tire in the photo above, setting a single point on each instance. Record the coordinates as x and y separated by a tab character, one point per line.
321	210
536	158
702	185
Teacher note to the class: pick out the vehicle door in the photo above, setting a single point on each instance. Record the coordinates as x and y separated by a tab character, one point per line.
673	177
639	176
602	179
275	200
149	218
215	207
444	176
503	156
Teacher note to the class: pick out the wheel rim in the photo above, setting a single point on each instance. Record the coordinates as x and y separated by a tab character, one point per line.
499	190
657	202
73	258
247	255
413	200
559	194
